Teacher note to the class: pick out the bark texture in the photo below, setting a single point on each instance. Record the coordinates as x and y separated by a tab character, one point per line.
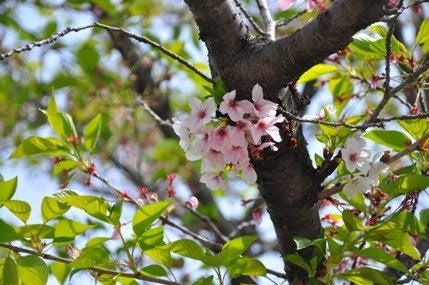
287	181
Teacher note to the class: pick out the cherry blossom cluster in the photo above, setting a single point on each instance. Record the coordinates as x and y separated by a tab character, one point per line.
365	171
226	143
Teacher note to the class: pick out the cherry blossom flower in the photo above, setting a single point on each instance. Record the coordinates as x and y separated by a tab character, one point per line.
192	203
249	174
355	154
257	216
235	109
358	184
214	180
261	107
376	169
285	4
183	132
201	113
219	137
265	126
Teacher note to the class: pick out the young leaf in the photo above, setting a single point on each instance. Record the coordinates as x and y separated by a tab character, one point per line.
147	214
36	230
89	257
36	145
381	256
187	248
298	260
62	124
60	271
115	213
91	133
8	271
151	237
392	139
406	184
204	281
32	270
66	230
230	251
423	34
154	270
8	232
247	266
160	255
20	209
351	221
367	275
52	208
316	72
8	188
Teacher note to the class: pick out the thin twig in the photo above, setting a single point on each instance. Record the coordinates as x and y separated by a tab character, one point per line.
270	24
146	106
142	39
249	18
410	79
209	222
100	271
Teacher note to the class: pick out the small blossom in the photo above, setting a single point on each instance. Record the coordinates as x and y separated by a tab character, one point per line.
355	154
183	132
248	174
261	107
192	203
214	180
201	113
218	138
265	126
143	191
376	169
285	4
356	185
235	109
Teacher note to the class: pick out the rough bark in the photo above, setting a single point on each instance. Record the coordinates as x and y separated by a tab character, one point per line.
286	178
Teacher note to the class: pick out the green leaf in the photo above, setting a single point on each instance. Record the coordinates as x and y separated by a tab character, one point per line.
230	251
423	34
8	188
395	140
20	209
93	205
246	266
367	275
8	232
52	208
60	271
396	238
97	241
151	237
62	124
52	106
36	230
88	57
147	214
424	217
316	72
351	221
405	184
187	248
8	271
160	255
92	132
408	222
66	230
154	270
36	145
115	213
298	260
204	281
381	256
32	270
89	257
416	128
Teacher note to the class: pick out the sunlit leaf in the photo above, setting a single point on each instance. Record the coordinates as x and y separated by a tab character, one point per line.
405	184
247	266
8	188
187	248
66	230
36	145
8	271
367	275
89	257
20	209
230	251
154	270
394	140
52	208
91	133
316	72
147	214
60	271
415	128
351	221
36	230
62	124
423	33
151	237
8	232
204	281
160	255
32	270
115	213
383	257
